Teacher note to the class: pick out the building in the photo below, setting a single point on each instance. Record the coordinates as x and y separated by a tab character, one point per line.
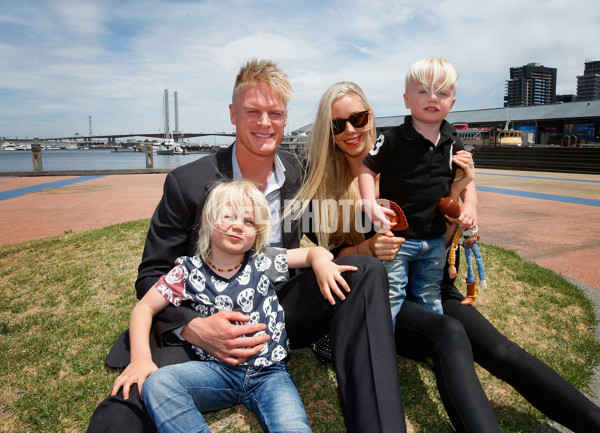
588	84
532	84
566	98
572	124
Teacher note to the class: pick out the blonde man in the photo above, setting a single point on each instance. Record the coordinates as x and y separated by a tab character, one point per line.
363	350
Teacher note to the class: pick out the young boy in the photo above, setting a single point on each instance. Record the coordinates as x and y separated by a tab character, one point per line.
415	164
234	270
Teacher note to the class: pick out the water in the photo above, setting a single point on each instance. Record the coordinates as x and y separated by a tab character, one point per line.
87	159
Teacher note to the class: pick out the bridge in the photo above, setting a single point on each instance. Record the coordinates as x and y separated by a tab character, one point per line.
111	138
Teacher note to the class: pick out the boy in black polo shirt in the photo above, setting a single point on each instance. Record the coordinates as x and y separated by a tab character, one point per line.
415	163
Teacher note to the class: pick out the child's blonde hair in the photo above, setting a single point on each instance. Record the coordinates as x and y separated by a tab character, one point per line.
234	193
435	74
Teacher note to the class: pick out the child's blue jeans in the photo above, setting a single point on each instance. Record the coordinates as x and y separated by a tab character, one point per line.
176	396
419	264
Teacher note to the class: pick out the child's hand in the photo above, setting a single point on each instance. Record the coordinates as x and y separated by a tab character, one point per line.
463	157
329	275
135	373
379	215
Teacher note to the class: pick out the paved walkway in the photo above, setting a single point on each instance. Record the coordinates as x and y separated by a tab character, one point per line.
552	219
37	207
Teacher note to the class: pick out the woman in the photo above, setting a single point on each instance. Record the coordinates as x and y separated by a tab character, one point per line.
460	336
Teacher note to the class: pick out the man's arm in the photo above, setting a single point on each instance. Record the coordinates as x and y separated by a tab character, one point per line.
173	233
169	235
225	341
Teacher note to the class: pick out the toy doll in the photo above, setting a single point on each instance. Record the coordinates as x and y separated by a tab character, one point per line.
468	239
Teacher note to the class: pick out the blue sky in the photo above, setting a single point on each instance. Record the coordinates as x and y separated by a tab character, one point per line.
62	61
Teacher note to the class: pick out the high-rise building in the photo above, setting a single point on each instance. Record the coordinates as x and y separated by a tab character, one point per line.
532	84
588	84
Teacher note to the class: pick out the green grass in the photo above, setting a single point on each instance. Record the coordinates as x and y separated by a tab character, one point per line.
66	299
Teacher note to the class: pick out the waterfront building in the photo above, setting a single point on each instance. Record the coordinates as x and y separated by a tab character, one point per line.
569	124
588	84
531	84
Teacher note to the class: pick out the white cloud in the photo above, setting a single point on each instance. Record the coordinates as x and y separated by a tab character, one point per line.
63	61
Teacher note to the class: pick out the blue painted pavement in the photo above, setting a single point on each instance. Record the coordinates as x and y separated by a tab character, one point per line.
5	195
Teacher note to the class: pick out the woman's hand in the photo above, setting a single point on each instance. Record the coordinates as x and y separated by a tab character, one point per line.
385	245
329	274
135	373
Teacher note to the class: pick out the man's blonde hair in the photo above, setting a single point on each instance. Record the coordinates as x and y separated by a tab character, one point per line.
436	74
234	193
263	71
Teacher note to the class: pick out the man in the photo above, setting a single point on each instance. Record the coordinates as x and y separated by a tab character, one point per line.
360	326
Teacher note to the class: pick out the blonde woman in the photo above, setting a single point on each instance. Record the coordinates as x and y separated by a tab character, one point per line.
337	145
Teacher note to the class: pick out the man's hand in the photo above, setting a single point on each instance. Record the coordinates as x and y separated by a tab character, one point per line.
224	340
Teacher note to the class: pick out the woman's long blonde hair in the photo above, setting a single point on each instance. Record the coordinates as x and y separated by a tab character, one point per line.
328	176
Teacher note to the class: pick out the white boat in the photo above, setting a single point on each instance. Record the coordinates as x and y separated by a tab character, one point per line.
169	147
7	146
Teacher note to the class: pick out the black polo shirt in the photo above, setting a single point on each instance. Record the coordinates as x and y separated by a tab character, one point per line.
415	174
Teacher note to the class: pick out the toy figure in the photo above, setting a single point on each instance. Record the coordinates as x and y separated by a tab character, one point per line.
398	220
468	239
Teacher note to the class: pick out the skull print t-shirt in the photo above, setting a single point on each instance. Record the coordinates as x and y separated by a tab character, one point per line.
249	291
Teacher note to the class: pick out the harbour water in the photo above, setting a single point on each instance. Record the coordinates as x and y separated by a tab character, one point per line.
88	159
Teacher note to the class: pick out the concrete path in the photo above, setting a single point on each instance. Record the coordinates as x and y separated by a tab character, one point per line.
38	207
552	219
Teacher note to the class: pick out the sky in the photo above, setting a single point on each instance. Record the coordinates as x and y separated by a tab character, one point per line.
62	61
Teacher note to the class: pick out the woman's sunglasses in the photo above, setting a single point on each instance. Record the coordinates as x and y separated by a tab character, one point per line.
358	120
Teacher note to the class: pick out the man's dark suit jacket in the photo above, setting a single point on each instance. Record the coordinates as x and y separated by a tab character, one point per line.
173	233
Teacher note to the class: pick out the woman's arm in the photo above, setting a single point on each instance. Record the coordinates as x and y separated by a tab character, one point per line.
384	246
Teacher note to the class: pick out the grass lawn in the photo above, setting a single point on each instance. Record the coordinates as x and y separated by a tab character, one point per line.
66	299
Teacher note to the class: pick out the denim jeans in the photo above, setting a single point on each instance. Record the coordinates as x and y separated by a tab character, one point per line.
176	396
470	274
419	264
